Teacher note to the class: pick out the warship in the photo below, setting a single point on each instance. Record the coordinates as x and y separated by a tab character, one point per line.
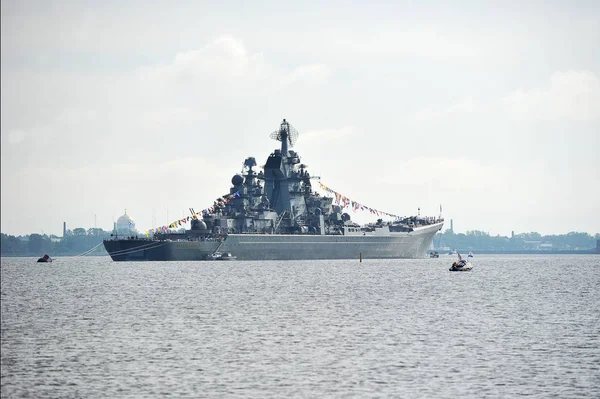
274	214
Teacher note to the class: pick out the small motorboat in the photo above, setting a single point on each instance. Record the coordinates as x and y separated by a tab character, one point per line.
461	266
45	258
222	256
227	256
434	254
470	254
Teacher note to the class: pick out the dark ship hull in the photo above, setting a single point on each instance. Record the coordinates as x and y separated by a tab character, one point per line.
399	245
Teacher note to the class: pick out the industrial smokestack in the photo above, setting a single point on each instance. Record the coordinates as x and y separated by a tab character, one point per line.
64	229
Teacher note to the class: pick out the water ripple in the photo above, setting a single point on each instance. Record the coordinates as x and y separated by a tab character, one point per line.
515	325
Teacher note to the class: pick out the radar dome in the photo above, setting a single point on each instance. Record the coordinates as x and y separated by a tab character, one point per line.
237	180
345	217
198	224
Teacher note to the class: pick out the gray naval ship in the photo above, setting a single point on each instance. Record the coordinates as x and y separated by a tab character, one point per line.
275	215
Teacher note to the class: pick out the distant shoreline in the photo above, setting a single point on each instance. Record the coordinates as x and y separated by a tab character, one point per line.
525	252
588	252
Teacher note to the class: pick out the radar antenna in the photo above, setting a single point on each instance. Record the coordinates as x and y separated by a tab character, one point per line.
286	131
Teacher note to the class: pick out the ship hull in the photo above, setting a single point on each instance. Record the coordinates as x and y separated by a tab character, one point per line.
280	247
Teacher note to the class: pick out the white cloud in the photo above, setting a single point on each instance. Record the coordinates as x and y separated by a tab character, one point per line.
323	135
226	58
170	117
427	42
453	174
462	106
569	96
572	95
465	105
76	116
67	112
16	136
305	75
225	64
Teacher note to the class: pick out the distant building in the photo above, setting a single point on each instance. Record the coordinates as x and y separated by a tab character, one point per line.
125	225
532	245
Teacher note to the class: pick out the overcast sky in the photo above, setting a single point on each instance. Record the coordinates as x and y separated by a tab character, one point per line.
491	109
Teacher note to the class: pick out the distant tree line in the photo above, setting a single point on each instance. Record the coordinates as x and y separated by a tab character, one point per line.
75	242
526	242
80	240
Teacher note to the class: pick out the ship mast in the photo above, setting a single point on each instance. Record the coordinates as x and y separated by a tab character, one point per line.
284	134
281	174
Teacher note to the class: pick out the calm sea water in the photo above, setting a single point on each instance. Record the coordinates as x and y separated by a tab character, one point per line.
90	327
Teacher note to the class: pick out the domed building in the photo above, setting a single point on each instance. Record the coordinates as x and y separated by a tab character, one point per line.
125	225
